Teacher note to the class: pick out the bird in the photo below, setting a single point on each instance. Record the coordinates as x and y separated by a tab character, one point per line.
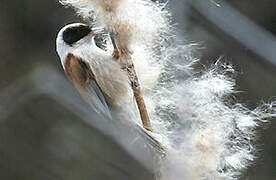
95	73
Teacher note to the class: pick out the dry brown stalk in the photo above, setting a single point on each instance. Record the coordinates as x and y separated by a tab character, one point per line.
124	58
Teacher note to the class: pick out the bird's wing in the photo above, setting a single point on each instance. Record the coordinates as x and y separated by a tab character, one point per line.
79	72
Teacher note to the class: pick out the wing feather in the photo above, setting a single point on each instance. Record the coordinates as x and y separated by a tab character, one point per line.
79	72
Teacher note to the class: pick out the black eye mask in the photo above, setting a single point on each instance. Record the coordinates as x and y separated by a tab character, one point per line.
74	34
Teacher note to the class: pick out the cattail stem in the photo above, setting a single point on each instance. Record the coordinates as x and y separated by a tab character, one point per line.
124	58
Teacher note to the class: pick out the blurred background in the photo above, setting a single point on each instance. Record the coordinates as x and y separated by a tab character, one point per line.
40	137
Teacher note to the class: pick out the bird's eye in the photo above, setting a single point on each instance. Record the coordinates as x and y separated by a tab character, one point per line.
74	34
100	41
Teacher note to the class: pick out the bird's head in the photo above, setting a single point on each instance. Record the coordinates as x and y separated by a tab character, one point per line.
71	37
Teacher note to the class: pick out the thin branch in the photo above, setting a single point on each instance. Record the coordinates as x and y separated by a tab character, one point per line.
124	58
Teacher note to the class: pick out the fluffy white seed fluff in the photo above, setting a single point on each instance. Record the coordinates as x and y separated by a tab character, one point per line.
208	135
